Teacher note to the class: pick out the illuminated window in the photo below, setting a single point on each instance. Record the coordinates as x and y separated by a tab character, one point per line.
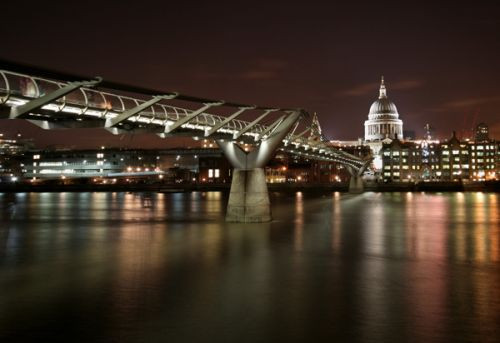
51	164
100	155
455	152
217	173
210	173
36	157
56	171
100	163
446	152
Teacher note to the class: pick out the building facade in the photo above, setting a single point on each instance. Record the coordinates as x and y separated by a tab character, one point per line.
175	165
11	157
451	160
383	118
382	126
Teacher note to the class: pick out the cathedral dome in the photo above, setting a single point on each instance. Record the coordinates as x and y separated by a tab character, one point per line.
383	107
383	119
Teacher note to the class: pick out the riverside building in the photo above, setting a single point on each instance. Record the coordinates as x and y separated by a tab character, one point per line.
451	160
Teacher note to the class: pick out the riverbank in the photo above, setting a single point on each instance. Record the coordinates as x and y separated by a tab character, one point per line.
457	186
488	186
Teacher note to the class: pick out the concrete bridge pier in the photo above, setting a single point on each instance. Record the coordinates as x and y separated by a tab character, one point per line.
249	197
356	184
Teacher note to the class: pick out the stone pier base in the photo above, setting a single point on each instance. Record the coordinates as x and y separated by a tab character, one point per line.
249	198
356	184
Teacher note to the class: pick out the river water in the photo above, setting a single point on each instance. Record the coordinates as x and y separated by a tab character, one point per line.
375	267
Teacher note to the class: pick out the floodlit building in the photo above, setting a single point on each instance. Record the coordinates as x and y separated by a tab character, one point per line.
50	164
383	125
451	160
383	118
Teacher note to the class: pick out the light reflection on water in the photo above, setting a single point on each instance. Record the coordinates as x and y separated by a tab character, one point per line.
137	267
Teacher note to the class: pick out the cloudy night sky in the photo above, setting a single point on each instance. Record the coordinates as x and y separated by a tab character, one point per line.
441	62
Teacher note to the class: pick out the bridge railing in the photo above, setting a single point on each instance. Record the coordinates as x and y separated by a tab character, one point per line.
106	105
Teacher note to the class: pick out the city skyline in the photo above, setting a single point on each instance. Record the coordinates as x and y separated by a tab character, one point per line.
439	61
194	171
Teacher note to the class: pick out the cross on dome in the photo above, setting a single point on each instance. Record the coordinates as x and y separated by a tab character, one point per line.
382	91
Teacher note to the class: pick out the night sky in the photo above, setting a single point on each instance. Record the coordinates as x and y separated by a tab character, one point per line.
441	62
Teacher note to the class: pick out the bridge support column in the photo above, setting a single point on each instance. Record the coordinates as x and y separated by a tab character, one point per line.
356	184
249	198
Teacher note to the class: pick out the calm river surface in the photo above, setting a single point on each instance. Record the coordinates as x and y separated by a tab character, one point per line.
375	267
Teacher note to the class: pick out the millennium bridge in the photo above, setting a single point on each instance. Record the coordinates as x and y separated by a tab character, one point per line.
53	100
